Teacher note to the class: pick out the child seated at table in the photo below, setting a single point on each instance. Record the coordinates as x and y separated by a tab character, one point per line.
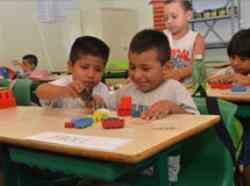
149	51
28	65
239	72
88	57
238	52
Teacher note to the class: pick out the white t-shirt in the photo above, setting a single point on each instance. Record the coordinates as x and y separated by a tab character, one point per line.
100	90
170	90
225	71
182	50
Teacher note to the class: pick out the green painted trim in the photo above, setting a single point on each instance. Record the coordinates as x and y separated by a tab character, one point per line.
69	165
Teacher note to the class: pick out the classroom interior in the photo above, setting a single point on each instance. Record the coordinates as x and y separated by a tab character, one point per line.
48	28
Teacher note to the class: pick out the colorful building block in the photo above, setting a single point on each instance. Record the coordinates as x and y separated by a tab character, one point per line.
239	88
100	115
68	125
113	123
82	122
125	106
7	99
221	85
138	110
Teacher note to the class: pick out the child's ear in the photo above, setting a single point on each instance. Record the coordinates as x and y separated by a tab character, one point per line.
70	66
167	66
189	15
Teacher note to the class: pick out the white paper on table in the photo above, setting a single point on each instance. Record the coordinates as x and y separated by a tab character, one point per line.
92	142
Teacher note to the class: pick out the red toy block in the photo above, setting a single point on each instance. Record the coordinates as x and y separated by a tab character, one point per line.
221	85
113	123
125	106
68	125
7	99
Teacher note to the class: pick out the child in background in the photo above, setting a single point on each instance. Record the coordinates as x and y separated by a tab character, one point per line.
149	51
239	72
239	55
185	43
28	65
88	57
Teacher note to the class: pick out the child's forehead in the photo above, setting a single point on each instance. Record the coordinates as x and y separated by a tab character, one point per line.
149	55
175	6
90	59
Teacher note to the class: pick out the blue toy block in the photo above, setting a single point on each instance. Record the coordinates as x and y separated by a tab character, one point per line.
82	122
136	113
239	88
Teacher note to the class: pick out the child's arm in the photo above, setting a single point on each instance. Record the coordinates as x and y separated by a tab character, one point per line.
161	109
199	46
241	79
48	91
220	79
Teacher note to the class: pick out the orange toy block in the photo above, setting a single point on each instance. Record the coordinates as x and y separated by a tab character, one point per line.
7	99
125	106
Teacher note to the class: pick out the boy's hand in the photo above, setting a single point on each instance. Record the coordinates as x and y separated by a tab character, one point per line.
73	89
172	74
221	79
240	79
16	62
97	103
159	110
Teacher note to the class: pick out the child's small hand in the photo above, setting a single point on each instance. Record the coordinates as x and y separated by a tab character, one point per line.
159	110
172	74
73	89
220	79
16	62
240	79
97	102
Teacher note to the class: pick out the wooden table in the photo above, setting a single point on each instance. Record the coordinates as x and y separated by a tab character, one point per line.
228	95
145	141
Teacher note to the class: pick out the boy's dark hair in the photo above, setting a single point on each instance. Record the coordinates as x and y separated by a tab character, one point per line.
31	59
88	45
187	5
151	39
240	45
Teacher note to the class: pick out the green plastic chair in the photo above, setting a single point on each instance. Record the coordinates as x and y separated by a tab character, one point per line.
4	83
22	91
205	160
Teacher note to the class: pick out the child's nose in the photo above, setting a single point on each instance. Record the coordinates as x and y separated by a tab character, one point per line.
138	74
91	73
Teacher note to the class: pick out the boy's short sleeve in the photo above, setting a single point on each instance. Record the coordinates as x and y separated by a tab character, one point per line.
184	99
62	82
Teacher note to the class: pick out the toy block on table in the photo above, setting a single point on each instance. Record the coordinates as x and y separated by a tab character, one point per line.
7	99
82	122
100	115
239	88
138	110
113	123
125	106
69	125
222	86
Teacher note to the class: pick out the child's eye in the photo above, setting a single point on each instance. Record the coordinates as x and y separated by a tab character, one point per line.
84	66
174	17
146	69
132	67
98	69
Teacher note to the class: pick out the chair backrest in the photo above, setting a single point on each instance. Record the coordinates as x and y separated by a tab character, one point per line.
4	83
230	122
22	91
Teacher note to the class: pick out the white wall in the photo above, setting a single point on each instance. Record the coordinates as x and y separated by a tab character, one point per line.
22	33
